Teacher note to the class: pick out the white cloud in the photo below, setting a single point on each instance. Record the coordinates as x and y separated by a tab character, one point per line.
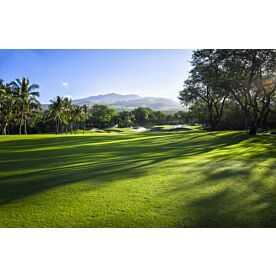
64	84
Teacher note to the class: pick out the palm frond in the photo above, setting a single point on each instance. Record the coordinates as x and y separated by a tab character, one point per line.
33	87
14	84
36	94
19	82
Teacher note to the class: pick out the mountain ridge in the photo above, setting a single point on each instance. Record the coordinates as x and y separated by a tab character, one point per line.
130	101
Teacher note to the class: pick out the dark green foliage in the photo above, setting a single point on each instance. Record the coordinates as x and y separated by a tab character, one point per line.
101	116
206	84
124	119
246	78
18	104
141	115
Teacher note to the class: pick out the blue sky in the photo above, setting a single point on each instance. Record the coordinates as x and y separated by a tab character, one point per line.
83	73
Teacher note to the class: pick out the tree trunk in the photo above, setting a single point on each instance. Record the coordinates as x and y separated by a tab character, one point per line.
246	122
57	128
211	117
4	132
212	122
25	126
213	125
20	124
253	129
265	124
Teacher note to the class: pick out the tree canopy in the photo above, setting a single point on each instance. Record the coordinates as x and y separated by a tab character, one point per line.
243	77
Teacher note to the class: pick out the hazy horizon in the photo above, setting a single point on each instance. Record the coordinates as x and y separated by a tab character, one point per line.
118	93
84	73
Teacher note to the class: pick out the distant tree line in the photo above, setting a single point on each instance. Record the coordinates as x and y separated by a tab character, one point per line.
232	89
21	112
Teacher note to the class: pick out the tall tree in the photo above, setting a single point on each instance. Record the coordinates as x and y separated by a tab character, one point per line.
78	115
141	115
57	113
252	79
156	117
206	83
101	115
85	115
125	119
68	113
26	95
7	106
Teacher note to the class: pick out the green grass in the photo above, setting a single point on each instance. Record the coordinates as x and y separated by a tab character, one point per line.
145	179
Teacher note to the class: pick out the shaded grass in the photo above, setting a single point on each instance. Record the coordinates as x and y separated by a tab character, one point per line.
169	179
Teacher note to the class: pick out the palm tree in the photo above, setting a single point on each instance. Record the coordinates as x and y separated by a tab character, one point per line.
78	115
85	115
57	112
7	106
67	105
2	92
26	95
2	101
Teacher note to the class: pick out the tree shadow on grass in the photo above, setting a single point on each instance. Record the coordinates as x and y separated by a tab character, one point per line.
227	209
49	169
29	169
227	197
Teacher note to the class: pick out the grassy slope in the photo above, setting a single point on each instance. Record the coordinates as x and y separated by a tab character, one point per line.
168	179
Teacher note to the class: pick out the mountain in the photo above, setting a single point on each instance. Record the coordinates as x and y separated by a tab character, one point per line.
106	98
131	101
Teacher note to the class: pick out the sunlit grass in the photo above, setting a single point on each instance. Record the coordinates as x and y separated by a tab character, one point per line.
145	179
